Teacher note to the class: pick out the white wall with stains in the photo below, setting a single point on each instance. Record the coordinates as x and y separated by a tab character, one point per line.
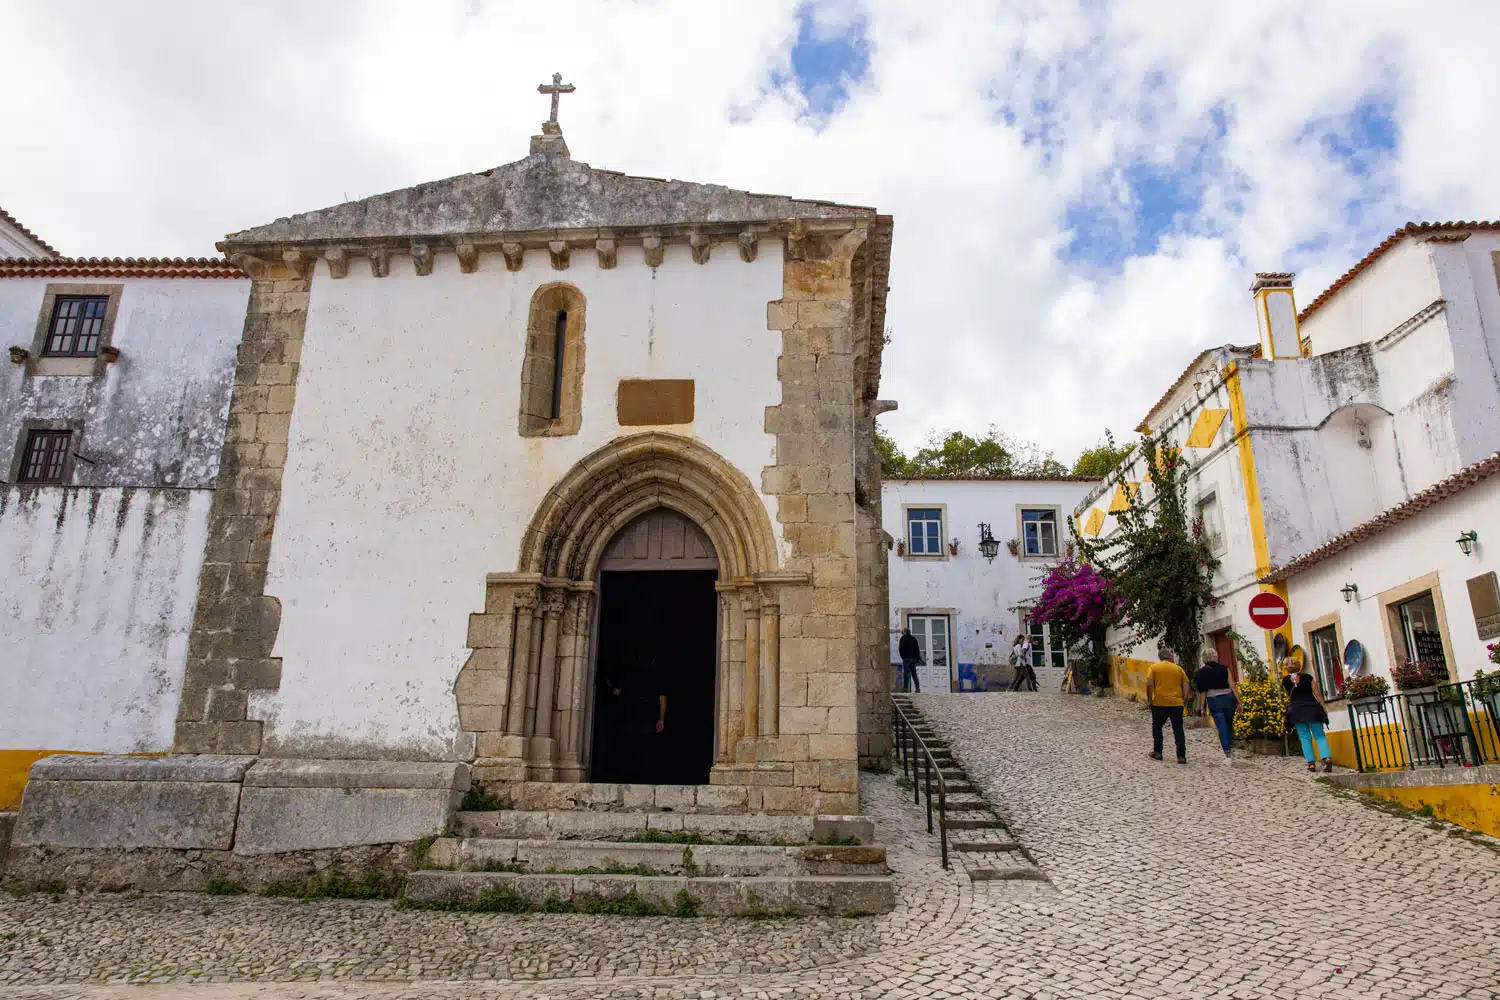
407	480
980	597
155	417
96	604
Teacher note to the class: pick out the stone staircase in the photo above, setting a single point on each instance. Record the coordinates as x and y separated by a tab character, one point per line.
977	836
588	853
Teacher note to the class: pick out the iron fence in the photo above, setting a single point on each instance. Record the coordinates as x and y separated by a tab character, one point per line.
914	753
1447	725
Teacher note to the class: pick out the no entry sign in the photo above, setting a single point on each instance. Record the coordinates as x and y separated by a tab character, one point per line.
1268	611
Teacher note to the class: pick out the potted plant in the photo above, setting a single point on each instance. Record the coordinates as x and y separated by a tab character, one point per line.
18	355
1069	549
900	548
1260	722
1487	688
1367	694
953	547
109	353
1014	546
1419	682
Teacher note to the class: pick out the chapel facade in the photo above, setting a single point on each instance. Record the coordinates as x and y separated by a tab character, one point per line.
563	473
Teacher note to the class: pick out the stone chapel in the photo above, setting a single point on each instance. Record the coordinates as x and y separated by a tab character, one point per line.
553	474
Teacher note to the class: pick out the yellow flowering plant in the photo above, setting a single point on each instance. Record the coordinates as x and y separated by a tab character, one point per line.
1262	711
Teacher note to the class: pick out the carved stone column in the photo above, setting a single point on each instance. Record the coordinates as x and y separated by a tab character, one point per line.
725	732
751	684
574	694
541	746
770	670
520	663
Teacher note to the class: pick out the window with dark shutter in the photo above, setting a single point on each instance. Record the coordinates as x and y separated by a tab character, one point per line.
77	326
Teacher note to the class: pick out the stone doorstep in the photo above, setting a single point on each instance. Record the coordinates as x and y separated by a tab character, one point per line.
597	796
184	768
569	824
728	896
278	772
545	856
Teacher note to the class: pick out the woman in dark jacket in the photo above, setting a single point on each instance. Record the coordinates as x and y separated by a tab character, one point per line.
1305	711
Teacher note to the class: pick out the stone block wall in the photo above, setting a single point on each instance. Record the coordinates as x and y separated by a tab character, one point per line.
229	650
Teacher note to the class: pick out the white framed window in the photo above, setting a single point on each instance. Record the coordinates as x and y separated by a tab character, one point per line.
1039	531
1326	658
1212	517
924	531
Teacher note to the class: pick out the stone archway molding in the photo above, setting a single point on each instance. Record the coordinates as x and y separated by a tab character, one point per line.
525	691
612	486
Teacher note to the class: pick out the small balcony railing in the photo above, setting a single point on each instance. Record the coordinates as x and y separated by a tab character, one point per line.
1449	725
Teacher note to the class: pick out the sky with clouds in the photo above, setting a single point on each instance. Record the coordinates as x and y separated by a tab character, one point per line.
1082	189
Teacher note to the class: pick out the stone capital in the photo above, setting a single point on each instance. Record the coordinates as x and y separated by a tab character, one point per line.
468	257
515	254
380	262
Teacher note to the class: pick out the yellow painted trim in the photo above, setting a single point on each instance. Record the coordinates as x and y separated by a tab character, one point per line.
1253	509
1263	317
1095	523
1206	428
15	767
1476	807
1123	493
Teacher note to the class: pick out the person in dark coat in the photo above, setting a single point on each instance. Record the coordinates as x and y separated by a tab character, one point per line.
1305	711
911	655
1219	696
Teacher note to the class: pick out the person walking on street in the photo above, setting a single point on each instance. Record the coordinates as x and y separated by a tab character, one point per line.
1305	710
1020	658
1219	695
1167	692
911	655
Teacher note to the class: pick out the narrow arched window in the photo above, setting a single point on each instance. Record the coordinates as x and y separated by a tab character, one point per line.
552	371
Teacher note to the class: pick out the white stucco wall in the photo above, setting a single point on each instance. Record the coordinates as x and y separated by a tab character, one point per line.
980	596
1412	549
14	243
1392	288
155	417
96	603
407	481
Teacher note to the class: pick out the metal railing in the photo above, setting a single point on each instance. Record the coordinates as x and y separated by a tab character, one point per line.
1448	725
914	752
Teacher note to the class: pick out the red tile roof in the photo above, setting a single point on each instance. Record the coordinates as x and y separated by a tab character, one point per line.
991	479
7	217
1410	229
1456	483
118	267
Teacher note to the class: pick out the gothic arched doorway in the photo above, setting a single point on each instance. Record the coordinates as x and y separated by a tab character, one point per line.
656	660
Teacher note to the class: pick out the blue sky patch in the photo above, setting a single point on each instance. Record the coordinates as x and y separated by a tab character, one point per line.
828	57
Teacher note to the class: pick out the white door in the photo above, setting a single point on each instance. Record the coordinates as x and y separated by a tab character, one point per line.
1048	658
931	632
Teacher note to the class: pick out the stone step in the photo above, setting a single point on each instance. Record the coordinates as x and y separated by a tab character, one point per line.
574	824
727	896
1006	875
962	806
983	846
975	823
604	857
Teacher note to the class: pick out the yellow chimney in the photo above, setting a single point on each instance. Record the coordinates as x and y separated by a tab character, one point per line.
1276	315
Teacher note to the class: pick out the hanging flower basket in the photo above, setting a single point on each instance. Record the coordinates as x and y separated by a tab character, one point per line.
900	548
1367	706
1014	546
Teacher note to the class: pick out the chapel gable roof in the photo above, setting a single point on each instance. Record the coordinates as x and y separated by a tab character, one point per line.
541	192
19	233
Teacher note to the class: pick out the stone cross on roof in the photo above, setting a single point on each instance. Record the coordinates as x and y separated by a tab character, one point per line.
556	88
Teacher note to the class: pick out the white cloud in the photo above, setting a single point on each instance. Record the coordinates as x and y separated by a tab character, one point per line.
158	127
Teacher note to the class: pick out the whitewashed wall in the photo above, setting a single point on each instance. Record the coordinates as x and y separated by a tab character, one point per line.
407	481
156	416
96	603
981	596
1423	544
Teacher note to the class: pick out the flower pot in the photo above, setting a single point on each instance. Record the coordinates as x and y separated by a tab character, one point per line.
1422	696
1368	706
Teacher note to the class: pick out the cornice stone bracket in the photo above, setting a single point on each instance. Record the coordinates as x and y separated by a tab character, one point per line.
468	257
749	246
515	253
608	253
655	249
338	262
796	240
421	258
297	261
702	247
380	262
247	262
559	251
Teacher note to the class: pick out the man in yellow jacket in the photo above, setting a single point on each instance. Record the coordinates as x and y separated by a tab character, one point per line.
1167	691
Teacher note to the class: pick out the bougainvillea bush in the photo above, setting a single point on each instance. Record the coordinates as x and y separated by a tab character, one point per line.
1080	602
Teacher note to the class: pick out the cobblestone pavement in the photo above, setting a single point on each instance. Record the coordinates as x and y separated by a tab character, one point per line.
1166	881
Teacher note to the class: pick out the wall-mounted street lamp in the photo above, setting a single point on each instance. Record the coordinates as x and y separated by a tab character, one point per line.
1466	540
988	546
1350	592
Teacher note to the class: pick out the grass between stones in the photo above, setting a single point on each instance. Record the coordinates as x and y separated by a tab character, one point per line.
655	836
371	884
478	799
1381	804
507	900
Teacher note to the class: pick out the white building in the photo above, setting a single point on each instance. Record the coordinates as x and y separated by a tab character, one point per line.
112	411
966	610
1384	386
18	241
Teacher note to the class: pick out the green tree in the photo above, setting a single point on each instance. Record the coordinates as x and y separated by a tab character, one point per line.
893	463
1159	560
957	454
1102	459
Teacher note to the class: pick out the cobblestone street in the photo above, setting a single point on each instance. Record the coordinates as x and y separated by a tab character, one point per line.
1166	881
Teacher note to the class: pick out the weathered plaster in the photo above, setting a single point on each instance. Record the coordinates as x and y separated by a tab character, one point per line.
156	416
95	607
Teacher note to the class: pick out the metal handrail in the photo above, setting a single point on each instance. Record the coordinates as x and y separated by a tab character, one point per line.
906	735
1446	724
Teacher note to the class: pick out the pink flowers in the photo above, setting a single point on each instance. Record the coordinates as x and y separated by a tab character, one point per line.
1079	595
